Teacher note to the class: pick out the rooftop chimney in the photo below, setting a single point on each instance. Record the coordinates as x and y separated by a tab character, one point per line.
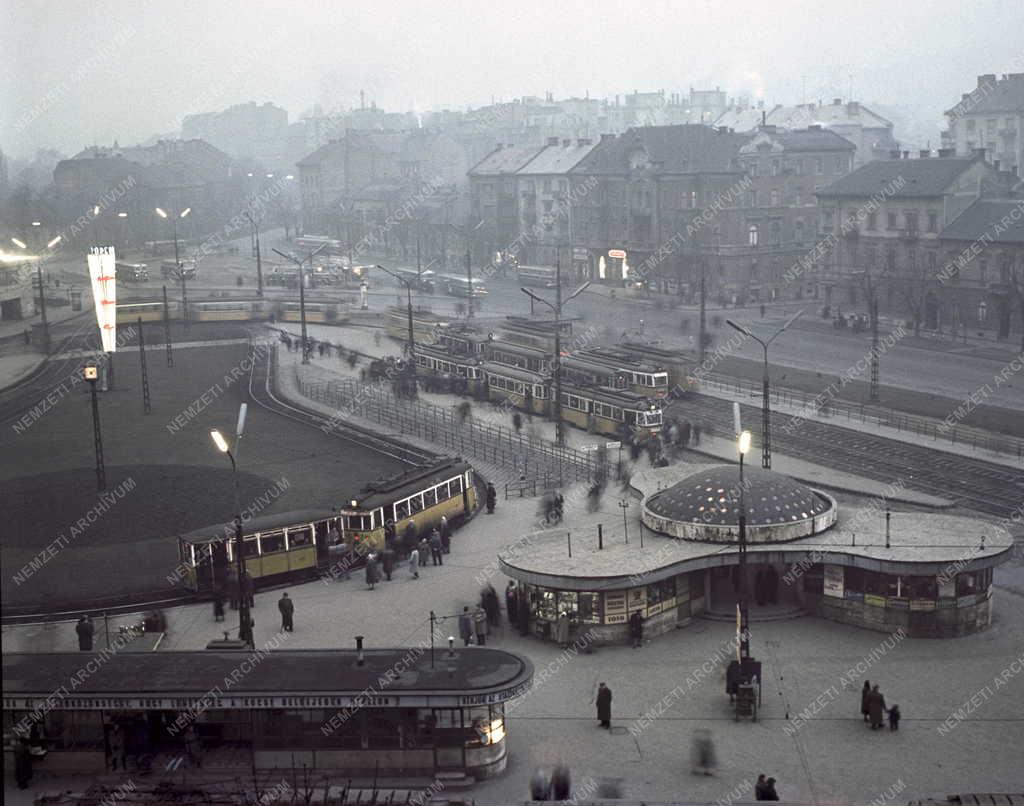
360	660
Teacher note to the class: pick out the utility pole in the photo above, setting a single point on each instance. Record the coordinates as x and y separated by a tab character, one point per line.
559	425
42	308
873	309
91	374
302	293
703	315
145	375
259	263
469	277
167	330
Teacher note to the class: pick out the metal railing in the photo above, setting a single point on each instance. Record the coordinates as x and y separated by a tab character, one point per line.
525	456
836	409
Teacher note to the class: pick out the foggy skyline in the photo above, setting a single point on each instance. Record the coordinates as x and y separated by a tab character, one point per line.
161	63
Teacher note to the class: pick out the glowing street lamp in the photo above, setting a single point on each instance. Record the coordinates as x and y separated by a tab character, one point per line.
743	446
19	243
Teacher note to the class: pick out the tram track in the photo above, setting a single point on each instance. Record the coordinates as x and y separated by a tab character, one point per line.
262	392
985	487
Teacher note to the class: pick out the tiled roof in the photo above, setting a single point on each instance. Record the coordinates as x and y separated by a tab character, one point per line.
814	140
803	115
505	160
681	149
557	159
921	178
1004	95
998	220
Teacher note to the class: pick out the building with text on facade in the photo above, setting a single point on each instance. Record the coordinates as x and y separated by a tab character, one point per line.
927	573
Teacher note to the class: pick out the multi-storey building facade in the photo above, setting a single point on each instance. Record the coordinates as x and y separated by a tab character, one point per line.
545	211
991	117
980	285
16	296
880	232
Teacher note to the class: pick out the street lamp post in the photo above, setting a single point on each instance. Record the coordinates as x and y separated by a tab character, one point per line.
766	421
743	444
179	274
259	264
302	293
412	338
244	622
557	363
91	374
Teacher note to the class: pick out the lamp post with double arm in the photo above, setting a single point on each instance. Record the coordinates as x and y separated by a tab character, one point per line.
412	338
766	419
302	292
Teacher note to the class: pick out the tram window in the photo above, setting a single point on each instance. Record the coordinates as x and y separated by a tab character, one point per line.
251	547
382	729
271	542
299	537
401	510
447	718
455	487
430	497
416	504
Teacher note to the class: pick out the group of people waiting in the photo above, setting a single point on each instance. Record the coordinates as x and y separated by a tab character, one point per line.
476	625
431	546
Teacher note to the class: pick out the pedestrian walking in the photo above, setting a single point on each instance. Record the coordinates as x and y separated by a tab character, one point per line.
894	718
492	498
85	631
424	548
409	536
511	602
435	547
864	694
287	608
22	763
192	747
695	434
371	570
465	626
489	599
446	535
876	708
218	603
387	558
540	786
117	748
604	705
636	628
480	624
414	563
760	787
769	790
702	754
562	625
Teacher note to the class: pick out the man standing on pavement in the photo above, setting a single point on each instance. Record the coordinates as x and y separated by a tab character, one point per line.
85	632
435	547
480	622
604	705
446	535
387	559
511	602
424	548
287	608
492	498
466	626
636	628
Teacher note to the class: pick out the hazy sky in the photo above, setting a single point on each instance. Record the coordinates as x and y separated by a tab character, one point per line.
76	73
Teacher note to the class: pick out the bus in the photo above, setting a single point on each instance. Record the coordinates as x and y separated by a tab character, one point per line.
131	272
539	276
458	286
307	243
419	280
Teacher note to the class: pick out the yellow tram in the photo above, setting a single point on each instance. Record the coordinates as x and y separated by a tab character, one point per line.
129	313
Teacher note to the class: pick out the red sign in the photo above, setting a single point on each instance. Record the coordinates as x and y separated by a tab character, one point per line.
619	253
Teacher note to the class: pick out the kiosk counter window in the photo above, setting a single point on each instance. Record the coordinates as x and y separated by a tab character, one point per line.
977	582
589	607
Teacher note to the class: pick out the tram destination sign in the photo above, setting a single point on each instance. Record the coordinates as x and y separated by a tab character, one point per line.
493	697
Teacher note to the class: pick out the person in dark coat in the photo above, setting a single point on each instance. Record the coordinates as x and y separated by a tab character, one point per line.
604	705
435	547
287	608
769	790
894	718
561	783
636	628
371	570
446	535
540	786
492	498
480	623
511	602
117	749
864	694
491	605
409	540
876	708
760	787
22	763
249	587
424	549
387	558
466	626
85	632
218	603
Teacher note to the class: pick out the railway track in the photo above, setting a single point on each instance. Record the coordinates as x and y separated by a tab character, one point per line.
261	390
985	487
